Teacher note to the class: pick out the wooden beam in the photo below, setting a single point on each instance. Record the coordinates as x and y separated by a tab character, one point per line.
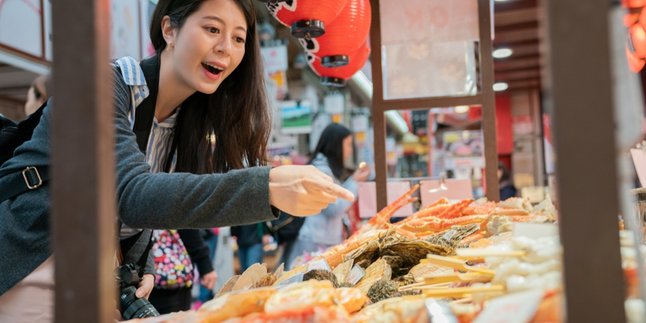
524	85
435	102
378	108
514	5
517	63
579	96
516	35
11	99
521	49
83	185
513	17
518	75
488	101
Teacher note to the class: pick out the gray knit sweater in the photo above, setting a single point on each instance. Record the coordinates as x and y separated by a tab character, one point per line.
145	200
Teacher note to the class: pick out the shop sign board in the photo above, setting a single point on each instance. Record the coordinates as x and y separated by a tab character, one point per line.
296	117
274	58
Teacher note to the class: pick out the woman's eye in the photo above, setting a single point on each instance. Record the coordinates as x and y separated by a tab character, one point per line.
213	30
240	40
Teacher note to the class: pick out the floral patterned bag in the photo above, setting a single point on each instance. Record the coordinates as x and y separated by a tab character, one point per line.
173	266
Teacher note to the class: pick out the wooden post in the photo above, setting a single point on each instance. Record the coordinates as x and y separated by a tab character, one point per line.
488	101
578	93
83	189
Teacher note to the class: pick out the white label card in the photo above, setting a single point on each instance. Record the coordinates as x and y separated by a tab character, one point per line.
356	274
319	264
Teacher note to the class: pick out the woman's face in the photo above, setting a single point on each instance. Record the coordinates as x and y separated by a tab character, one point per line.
347	149
209	46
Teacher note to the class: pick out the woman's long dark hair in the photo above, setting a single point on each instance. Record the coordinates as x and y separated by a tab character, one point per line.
331	146
235	117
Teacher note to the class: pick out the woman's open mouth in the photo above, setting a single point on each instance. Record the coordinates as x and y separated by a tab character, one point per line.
213	72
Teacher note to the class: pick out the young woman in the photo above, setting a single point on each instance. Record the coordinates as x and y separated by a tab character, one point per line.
205	85
321	231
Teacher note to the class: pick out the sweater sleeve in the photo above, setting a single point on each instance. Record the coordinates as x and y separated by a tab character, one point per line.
197	250
181	200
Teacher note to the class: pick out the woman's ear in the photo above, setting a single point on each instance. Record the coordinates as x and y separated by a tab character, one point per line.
168	31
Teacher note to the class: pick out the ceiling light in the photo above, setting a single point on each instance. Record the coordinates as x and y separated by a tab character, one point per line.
500	86
502	53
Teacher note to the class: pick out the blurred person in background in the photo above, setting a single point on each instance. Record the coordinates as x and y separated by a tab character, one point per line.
507	188
37	94
250	239
332	155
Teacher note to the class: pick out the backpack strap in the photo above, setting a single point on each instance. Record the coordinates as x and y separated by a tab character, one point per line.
144	115
146	109
29	178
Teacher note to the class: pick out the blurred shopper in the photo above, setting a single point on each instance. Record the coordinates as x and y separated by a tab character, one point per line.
250	243
37	94
507	188
332	155
210	237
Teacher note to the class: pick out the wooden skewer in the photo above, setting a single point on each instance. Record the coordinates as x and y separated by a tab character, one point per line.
457	277
467	299
423	286
487	252
456	264
461	291
411	286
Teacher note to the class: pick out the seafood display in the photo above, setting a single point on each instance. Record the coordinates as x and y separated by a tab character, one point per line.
450	258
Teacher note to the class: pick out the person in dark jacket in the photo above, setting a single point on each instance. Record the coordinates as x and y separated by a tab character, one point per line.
250	243
507	188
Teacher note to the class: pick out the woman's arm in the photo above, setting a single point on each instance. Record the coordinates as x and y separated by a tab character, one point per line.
181	200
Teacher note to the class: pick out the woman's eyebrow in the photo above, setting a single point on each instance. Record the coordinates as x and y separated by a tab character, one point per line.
218	19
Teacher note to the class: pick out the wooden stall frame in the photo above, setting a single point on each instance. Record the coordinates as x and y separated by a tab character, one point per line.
485	98
578	92
83	186
83	166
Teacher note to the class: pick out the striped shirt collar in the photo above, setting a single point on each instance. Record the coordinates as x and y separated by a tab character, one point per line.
134	77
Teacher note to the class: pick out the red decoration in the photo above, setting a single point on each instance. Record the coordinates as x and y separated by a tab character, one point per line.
336	76
635	63
635	21
638	39
345	35
633	4
306	18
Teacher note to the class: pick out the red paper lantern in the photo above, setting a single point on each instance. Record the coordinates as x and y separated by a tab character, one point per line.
632	4
306	17
345	35
336	76
634	63
638	39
